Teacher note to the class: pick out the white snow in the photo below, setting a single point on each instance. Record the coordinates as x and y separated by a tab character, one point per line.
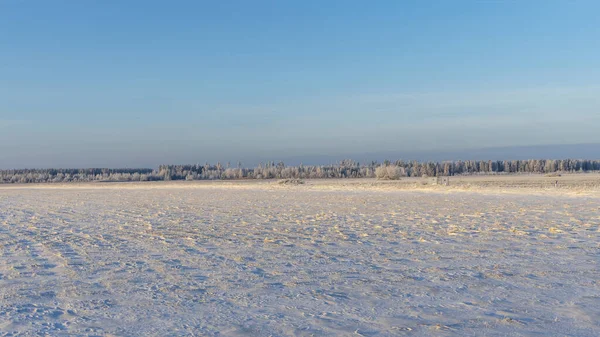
265	260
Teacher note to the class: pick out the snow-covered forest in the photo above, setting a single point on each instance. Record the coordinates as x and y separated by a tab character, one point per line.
272	170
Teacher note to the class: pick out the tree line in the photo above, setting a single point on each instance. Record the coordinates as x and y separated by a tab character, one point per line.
24	176
272	170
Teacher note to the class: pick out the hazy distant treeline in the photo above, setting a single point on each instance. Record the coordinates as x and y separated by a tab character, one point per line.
272	170
76	175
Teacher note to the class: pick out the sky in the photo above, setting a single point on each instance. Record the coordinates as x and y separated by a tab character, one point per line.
140	83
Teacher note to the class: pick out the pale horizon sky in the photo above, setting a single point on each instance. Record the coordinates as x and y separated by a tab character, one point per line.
142	83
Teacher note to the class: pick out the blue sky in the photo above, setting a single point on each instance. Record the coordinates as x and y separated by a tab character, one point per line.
139	83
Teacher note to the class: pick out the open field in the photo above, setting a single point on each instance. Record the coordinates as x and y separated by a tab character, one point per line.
568	184
486	256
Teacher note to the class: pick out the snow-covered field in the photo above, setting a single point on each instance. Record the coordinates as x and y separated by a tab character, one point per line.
259	259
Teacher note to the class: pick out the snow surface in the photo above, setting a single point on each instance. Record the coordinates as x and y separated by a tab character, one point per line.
261	260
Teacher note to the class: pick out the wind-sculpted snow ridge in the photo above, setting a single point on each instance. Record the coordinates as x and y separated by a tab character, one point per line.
296	261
